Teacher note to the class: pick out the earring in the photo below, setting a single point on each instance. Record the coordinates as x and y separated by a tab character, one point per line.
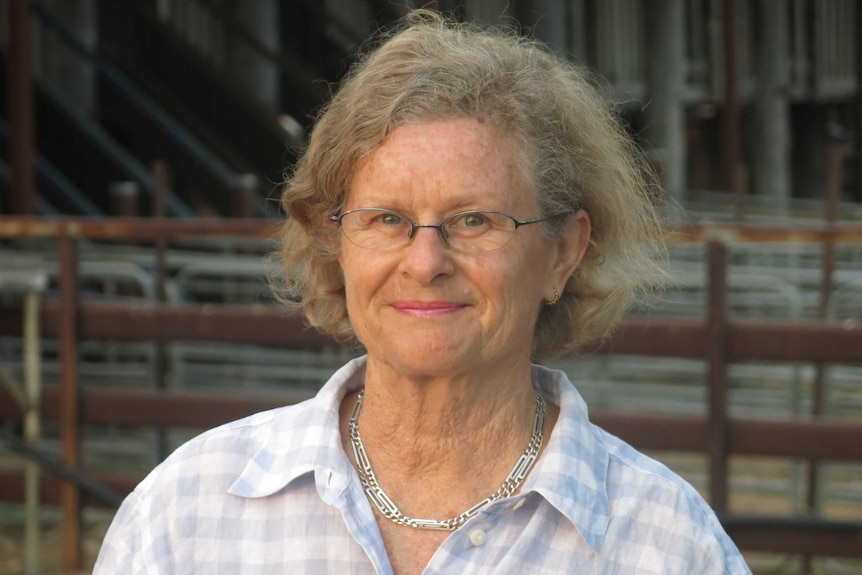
556	298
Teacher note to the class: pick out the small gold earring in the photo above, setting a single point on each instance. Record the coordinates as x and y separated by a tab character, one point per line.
556	298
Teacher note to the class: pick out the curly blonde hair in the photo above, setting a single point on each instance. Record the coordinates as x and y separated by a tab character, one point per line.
575	155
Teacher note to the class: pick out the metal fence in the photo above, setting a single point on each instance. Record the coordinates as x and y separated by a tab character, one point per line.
734	334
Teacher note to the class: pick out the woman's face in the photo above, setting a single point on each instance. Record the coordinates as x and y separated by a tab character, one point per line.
426	309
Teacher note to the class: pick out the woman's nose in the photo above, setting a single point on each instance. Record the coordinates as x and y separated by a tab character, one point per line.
427	256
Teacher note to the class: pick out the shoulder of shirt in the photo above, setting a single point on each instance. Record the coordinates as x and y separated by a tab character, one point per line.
645	472
220	456
236	441
663	491
649	474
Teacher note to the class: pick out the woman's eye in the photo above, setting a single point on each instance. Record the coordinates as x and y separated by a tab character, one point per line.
470	221
390	219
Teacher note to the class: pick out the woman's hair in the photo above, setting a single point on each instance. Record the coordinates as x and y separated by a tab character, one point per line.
574	152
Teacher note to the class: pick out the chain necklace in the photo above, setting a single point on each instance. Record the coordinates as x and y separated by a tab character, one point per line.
388	508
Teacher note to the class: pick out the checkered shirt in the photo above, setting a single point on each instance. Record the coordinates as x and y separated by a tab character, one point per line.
275	493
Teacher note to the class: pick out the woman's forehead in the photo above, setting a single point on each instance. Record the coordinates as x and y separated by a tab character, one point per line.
460	160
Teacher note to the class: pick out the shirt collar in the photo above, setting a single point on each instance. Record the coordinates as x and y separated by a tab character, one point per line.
305	438
572	472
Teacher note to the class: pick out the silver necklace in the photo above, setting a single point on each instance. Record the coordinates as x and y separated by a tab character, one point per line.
388	508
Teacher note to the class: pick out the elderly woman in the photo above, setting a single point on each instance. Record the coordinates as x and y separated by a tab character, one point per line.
467	202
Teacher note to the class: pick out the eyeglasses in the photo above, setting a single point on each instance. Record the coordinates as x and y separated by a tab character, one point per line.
470	231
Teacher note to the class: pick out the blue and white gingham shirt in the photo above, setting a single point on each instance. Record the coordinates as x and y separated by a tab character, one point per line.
275	493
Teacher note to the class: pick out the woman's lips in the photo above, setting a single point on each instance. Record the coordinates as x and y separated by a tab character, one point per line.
427	308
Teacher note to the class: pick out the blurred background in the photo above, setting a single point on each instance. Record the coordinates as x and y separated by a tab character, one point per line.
143	143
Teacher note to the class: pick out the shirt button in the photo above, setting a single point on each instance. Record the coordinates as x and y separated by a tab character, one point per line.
519	504
477	538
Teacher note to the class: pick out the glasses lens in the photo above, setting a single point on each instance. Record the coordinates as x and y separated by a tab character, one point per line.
376	229
479	231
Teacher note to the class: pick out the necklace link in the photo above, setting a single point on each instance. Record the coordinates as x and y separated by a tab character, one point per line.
390	510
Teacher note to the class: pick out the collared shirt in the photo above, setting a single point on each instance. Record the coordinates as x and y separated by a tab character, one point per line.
275	493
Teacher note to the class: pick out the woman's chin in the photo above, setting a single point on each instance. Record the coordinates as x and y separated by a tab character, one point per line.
428	356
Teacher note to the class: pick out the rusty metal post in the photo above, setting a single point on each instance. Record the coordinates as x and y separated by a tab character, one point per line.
833	203
730	122
70	496
162	178
858	102
20	109
717	383
244	194
32	425
666	78
125	199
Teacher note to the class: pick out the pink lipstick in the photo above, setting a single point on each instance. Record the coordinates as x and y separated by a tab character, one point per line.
426	308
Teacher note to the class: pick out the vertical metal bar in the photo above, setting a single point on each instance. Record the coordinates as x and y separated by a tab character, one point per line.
20	109
577	30
717	375
70	496
858	27
666	76
833	202
771	154
243	196
730	123
161	176
32	428
125	198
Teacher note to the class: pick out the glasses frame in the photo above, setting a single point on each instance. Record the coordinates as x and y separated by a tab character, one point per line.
441	230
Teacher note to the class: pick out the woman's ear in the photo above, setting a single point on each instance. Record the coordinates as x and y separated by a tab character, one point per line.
571	247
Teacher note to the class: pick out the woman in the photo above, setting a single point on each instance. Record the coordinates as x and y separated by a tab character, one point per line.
467	202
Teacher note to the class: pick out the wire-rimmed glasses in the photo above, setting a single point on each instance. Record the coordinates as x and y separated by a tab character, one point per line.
471	231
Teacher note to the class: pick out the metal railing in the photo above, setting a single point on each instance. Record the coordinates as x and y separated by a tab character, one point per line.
720	342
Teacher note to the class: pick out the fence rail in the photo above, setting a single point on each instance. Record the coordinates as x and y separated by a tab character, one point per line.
717	339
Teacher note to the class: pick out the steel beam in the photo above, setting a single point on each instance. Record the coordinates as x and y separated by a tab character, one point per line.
20	110
716	378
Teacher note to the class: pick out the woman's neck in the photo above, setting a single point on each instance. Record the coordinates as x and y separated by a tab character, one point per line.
439	445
